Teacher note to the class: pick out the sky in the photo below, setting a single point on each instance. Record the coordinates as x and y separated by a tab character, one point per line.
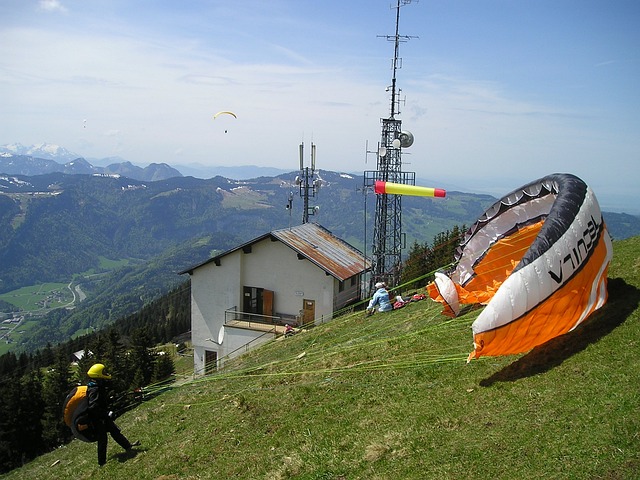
497	93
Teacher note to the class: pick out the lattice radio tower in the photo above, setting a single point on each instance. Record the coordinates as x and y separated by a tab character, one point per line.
387	234
309	184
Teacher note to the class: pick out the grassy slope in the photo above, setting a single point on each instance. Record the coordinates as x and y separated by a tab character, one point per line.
390	396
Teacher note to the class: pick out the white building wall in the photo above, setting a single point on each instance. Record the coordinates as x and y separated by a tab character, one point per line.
274	266
213	290
271	266
239	340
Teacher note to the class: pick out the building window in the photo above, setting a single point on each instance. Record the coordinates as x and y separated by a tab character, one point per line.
252	302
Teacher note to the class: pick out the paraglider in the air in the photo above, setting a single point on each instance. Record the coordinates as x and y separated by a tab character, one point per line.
537	259
225	112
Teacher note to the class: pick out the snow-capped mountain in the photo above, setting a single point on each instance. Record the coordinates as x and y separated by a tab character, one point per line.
42	155
47	151
16	159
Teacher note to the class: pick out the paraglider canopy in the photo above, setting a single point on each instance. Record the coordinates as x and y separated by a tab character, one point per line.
225	112
538	260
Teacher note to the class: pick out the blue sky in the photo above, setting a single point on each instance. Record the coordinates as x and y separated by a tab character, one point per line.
498	92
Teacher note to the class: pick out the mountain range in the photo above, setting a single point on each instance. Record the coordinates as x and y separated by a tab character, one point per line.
56	225
124	240
64	226
56	220
39	159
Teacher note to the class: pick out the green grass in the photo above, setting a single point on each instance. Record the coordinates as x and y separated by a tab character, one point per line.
33	300
105	265
391	396
109	264
29	299
42	298
244	198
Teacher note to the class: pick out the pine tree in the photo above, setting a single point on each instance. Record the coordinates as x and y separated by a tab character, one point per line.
56	386
141	355
28	413
424	259
163	368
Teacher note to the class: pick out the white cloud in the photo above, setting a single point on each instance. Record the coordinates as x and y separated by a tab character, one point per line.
51	6
155	79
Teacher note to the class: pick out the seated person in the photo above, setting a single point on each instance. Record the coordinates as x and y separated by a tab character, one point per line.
380	299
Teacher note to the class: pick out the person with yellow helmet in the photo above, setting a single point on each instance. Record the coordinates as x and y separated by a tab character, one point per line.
100	415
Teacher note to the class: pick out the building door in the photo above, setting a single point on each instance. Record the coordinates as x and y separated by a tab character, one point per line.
210	361
267	302
308	311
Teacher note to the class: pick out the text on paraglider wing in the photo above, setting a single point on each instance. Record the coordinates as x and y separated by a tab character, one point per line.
578	253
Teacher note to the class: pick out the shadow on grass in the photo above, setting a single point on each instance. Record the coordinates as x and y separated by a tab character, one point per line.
129	454
623	300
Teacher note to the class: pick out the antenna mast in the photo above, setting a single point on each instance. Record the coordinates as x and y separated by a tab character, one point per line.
309	186
387	235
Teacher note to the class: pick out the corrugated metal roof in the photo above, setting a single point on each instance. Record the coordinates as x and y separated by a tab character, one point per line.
315	243
321	247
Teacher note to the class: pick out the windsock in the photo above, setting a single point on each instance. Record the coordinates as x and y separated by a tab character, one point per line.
402	189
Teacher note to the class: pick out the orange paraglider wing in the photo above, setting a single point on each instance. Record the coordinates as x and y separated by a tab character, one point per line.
538	259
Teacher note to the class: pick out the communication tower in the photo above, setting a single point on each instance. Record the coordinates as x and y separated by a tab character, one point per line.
309	184
388	237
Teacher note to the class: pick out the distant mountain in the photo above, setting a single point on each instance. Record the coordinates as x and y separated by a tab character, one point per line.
62	228
58	227
38	160
241	172
17	159
622	225
45	151
150	173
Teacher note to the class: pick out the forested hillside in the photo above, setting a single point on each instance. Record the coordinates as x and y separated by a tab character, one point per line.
54	226
115	295
123	241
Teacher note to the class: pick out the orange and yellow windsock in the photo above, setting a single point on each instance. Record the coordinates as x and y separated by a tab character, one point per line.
402	189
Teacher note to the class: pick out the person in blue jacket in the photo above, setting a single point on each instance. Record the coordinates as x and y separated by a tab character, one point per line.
380	299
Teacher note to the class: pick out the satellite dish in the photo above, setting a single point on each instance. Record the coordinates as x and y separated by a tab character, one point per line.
221	335
406	139
396	143
382	151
